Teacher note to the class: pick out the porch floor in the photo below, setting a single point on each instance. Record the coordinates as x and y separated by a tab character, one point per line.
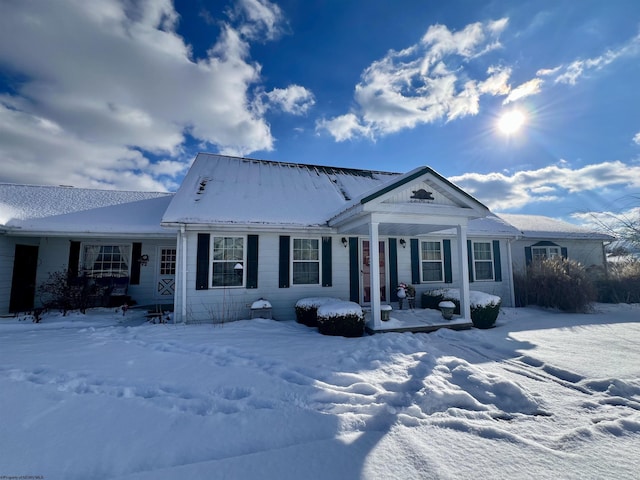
415	320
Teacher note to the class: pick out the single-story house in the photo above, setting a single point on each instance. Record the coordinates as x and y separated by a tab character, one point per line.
108	238
240	229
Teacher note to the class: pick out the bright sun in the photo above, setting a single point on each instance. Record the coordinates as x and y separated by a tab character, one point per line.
510	122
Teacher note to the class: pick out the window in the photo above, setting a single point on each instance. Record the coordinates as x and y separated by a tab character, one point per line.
432	264
228	262
482	261
306	261
167	261
106	260
540	253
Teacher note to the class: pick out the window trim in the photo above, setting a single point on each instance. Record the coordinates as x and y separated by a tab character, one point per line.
547	252
292	261
490	261
160	260
83	257
441	261
212	239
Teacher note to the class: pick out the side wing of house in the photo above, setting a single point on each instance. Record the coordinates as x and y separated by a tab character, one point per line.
589	253
137	270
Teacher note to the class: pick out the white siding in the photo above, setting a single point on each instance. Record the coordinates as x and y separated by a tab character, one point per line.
588	253
227	304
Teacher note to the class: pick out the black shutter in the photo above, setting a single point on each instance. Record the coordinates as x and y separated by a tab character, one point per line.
354	270
74	259
448	273
326	262
563	252
252	261
470	260
202	262
136	253
528	257
415	261
497	264
283	275
393	269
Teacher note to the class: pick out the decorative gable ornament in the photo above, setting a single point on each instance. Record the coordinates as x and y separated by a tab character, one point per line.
421	194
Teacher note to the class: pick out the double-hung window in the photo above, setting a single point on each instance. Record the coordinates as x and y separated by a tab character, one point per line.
228	262
482	261
306	261
541	253
431	261
106	260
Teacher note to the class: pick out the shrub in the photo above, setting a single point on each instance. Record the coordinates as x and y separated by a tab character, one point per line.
63	291
341	318
622	284
556	283
485	308
307	309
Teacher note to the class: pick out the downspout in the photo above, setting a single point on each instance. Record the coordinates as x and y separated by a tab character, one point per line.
183	283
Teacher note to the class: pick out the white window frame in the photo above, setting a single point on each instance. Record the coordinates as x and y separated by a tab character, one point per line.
318	261
235	261
90	272
163	263
440	261
483	260
547	252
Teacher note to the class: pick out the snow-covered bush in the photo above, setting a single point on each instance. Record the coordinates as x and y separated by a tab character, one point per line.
341	318
484	307
307	308
557	283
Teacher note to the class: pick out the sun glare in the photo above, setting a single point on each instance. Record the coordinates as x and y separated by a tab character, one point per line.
510	122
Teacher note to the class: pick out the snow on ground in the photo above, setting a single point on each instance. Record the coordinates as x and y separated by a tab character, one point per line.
543	395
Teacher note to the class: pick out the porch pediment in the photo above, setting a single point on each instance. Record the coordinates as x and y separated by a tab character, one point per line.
419	202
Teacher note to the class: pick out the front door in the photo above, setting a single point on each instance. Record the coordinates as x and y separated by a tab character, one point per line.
166	272
23	282
366	272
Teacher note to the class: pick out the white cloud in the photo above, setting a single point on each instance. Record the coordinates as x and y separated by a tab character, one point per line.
294	99
344	127
527	89
418	85
636	138
263	19
122	81
576	69
503	192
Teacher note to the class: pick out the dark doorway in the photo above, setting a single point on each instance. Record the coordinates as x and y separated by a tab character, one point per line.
23	284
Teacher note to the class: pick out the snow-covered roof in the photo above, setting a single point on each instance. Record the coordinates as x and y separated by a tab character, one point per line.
489	226
538	226
63	210
229	190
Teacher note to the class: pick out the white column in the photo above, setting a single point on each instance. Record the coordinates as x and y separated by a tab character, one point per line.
182	272
465	305
374	267
510	268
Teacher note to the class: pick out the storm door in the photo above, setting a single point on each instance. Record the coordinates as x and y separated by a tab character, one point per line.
366	272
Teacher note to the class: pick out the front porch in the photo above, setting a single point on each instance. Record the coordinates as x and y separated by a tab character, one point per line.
414	320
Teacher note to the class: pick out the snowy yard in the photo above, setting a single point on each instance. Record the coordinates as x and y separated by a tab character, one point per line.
543	395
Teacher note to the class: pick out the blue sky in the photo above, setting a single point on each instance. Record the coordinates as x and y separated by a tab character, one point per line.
123	94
